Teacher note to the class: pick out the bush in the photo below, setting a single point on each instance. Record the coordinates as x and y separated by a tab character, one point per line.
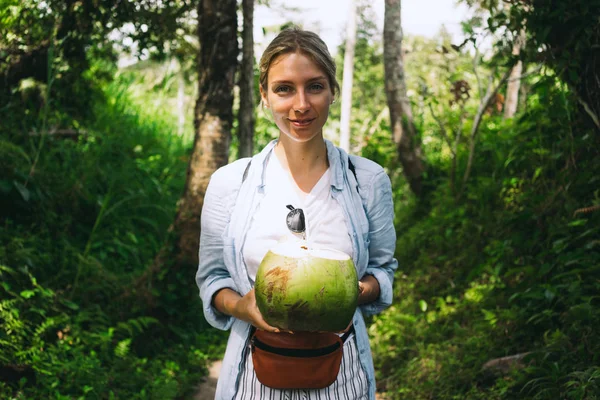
81	220
510	269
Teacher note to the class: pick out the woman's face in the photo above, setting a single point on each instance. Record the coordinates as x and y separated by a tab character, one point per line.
299	95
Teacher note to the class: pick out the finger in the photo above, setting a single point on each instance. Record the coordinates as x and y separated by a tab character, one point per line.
266	327
260	323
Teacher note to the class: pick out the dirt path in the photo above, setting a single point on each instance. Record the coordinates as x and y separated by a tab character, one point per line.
206	389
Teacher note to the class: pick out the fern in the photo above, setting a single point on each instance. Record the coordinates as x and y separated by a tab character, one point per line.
122	348
136	326
8	349
6	305
43	327
9	317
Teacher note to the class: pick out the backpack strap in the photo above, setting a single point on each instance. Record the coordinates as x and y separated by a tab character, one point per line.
353	170
246	171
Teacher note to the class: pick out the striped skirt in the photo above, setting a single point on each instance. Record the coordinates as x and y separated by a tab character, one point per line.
351	382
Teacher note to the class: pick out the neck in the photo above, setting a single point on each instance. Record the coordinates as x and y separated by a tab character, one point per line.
302	158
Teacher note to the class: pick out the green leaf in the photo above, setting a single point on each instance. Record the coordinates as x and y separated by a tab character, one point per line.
578	222
27	293
122	348
22	190
71	305
490	317
537	173
545	268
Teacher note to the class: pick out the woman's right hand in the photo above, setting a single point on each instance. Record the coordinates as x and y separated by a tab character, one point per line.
247	310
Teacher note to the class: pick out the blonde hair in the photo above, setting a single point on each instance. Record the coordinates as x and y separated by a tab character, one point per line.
294	39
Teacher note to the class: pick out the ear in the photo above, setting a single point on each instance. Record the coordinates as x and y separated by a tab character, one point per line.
263	96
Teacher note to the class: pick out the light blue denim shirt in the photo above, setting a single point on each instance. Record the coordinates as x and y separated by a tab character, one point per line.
226	215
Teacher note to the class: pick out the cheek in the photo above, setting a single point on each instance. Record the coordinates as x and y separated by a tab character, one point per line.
280	106
279	114
324	107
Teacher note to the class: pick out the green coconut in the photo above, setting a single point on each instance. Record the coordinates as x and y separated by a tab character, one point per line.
303	289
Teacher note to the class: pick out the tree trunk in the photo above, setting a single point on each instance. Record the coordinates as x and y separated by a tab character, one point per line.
180	99
403	127
246	112
217	33
514	81
347	79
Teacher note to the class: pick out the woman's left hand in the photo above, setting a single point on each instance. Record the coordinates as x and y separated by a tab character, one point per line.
368	289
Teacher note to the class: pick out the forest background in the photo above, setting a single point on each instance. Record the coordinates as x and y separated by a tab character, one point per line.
492	145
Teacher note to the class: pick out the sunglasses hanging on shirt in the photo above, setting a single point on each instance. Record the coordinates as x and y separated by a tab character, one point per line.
295	220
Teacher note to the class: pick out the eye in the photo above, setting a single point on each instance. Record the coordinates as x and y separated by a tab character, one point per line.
282	89
316	87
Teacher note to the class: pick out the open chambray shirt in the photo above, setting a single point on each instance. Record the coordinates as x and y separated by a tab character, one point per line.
369	214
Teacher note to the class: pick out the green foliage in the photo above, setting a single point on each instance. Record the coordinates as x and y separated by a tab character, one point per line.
509	268
512	269
564	36
42	330
67	48
78	227
369	120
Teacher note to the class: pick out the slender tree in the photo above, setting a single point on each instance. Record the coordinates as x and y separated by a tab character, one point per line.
217	62
514	82
246	115
347	79
180	98
403	127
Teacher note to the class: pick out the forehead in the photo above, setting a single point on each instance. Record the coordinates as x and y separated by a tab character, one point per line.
292	66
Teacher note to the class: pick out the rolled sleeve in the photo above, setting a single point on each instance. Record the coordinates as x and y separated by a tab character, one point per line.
212	274
208	289
382	242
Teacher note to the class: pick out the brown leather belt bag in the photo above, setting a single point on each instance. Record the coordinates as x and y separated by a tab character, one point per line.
302	360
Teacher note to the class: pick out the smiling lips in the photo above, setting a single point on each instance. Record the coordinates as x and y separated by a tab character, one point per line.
301	122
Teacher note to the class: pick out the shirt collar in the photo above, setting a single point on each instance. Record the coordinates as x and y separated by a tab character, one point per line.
259	163
337	158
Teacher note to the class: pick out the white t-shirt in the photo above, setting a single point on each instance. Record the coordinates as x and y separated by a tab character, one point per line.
326	224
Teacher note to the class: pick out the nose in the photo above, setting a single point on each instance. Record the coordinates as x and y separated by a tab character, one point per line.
301	103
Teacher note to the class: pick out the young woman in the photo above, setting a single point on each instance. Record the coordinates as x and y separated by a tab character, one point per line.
347	202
